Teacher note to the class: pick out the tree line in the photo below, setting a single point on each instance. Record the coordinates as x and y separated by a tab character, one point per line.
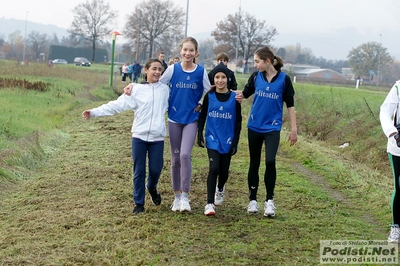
158	25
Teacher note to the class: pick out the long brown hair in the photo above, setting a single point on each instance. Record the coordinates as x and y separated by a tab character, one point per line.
265	53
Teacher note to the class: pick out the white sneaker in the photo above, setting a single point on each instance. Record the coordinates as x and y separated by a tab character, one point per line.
219	196
176	206
269	208
209	209
252	207
394	236
185	206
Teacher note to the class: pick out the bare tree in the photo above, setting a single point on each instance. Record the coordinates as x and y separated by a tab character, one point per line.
2	40
392	72
252	33
15	45
206	49
281	52
155	25
54	39
291	53
91	22
38	42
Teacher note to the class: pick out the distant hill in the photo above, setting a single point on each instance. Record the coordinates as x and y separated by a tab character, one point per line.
9	25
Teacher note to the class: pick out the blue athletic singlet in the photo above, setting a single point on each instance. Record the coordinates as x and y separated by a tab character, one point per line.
186	91
266	112
221	119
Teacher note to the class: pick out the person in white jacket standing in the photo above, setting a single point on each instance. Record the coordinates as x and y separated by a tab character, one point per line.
149	101
389	117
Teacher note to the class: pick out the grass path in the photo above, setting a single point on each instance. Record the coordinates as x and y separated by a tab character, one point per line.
335	194
77	210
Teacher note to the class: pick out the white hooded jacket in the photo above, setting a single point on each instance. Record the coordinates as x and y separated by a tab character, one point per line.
387	112
149	103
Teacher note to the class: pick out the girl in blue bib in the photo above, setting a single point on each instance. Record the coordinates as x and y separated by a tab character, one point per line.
271	88
221	115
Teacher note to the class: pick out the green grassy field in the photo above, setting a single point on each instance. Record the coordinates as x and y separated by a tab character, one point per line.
66	184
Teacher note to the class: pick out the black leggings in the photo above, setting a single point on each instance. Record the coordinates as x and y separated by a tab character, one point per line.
271	141
219	168
395	163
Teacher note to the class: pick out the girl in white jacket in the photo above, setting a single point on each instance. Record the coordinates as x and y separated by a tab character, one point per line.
149	101
389	117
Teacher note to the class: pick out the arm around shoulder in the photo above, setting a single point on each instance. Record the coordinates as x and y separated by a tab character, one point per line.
249	88
167	75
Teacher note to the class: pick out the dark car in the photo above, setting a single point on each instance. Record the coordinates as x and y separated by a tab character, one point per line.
81	61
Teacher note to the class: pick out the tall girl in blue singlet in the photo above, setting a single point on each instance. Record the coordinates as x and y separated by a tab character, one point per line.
221	114
188	82
271	88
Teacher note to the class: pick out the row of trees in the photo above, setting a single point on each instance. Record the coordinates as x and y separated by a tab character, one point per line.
157	25
37	45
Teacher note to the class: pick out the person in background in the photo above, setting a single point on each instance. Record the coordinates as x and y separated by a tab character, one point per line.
149	101
130	72
390	126
271	88
137	69
188	82
221	114
224	59
176	59
161	57
124	70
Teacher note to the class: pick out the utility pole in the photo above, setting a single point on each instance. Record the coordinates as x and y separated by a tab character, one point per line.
114	38
23	54
138	36
187	16
379	62
238	32
153	37
152	44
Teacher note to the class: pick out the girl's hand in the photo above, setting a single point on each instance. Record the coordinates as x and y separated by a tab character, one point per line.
86	114
292	137
198	108
128	89
239	96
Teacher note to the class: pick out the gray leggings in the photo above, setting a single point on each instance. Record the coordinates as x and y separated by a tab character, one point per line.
181	138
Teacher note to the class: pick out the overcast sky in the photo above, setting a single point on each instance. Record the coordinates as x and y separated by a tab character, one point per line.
316	24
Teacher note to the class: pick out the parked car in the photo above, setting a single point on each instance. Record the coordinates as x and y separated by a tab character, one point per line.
59	61
81	61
